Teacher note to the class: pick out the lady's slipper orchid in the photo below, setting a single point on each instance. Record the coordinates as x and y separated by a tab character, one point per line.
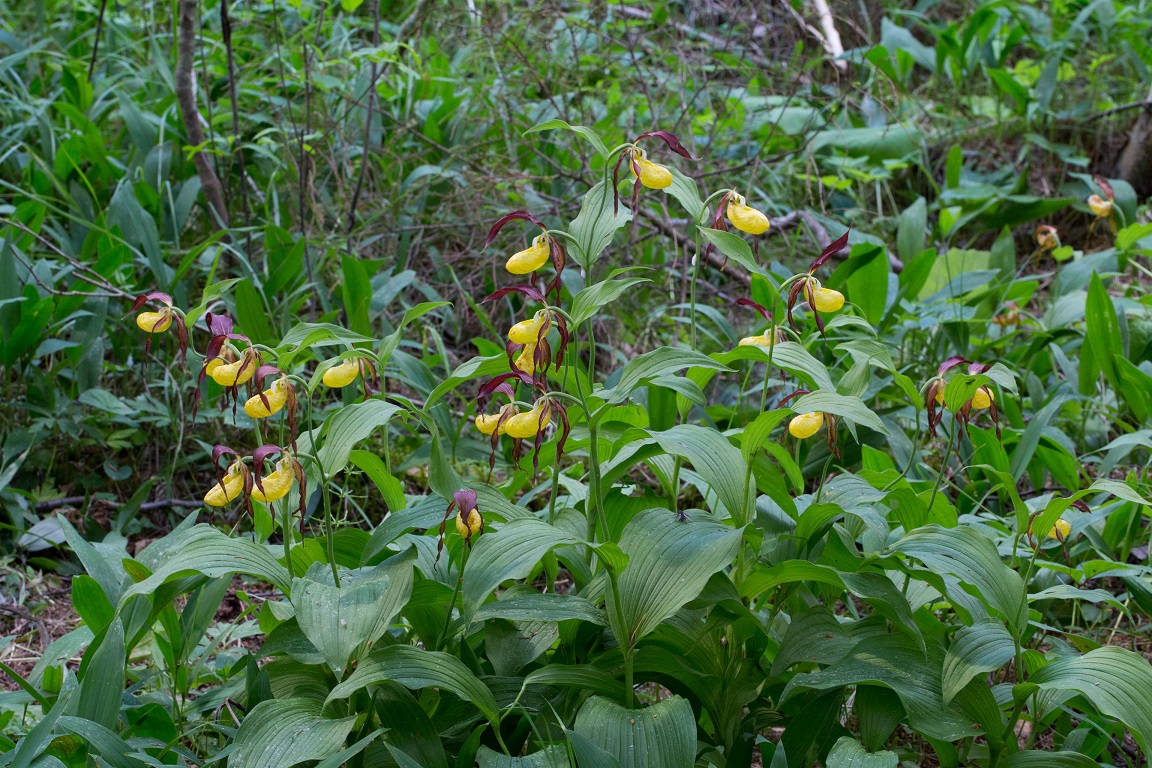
746	218
1060	530
234	374
531	258
826	299
1101	207
343	374
469	524
1047	238
526	360
650	174
530	423
276	485
805	425
496	423
982	398
529	331
270	401
228	487
154	322
159	322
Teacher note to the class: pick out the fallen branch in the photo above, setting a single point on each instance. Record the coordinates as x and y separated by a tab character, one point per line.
69	501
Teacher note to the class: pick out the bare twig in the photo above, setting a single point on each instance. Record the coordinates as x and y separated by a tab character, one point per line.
237	150
96	41
82	272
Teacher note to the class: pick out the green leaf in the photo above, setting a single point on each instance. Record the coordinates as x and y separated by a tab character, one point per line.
103	679
251	314
979	649
1035	758
592	230
511	552
658	362
849	753
357	293
91	603
284	732
1102	330
660	736
390	488
589	300
896	662
734	247
33	744
475	368
851	408
553	756
338	619
415	669
547	606
1117	681
345	429
410	728
669	563
714	459
392	340
910	229
590	135
208	551
686	192
866	283
789	356
584	677
103	741
973	559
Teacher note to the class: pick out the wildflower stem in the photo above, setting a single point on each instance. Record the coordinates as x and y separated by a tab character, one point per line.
943	465
286	529
595	496
329	523
443	638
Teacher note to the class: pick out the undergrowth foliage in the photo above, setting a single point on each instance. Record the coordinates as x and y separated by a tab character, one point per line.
662	566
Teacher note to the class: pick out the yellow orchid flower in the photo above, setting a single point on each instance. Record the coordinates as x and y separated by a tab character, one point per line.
154	322
1060	530
343	374
1101	207
528	331
526	361
489	423
531	258
276	395
278	483
1047	237
529	423
746	218
652	175
805	425
233	374
982	398
233	485
826	299
469	526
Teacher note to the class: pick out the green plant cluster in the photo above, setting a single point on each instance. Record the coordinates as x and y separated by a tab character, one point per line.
900	516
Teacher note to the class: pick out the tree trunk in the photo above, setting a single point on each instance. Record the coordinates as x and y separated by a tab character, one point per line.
1135	163
190	114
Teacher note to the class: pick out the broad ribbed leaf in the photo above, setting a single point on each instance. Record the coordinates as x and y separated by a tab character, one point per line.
849	753
347	427
414	668
104	678
552	757
669	563
813	636
788	356
973	559
979	649
1034	758
714	459
733	247
536	606
1117	681
284	732
896	662
586	677
208	551
409	727
658	362
851	408
660	736
589	135
589	300
508	553
104	742
475	368
338	619
593	228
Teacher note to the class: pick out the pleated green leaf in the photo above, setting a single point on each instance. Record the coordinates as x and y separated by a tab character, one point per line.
284	732
849	753
660	736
